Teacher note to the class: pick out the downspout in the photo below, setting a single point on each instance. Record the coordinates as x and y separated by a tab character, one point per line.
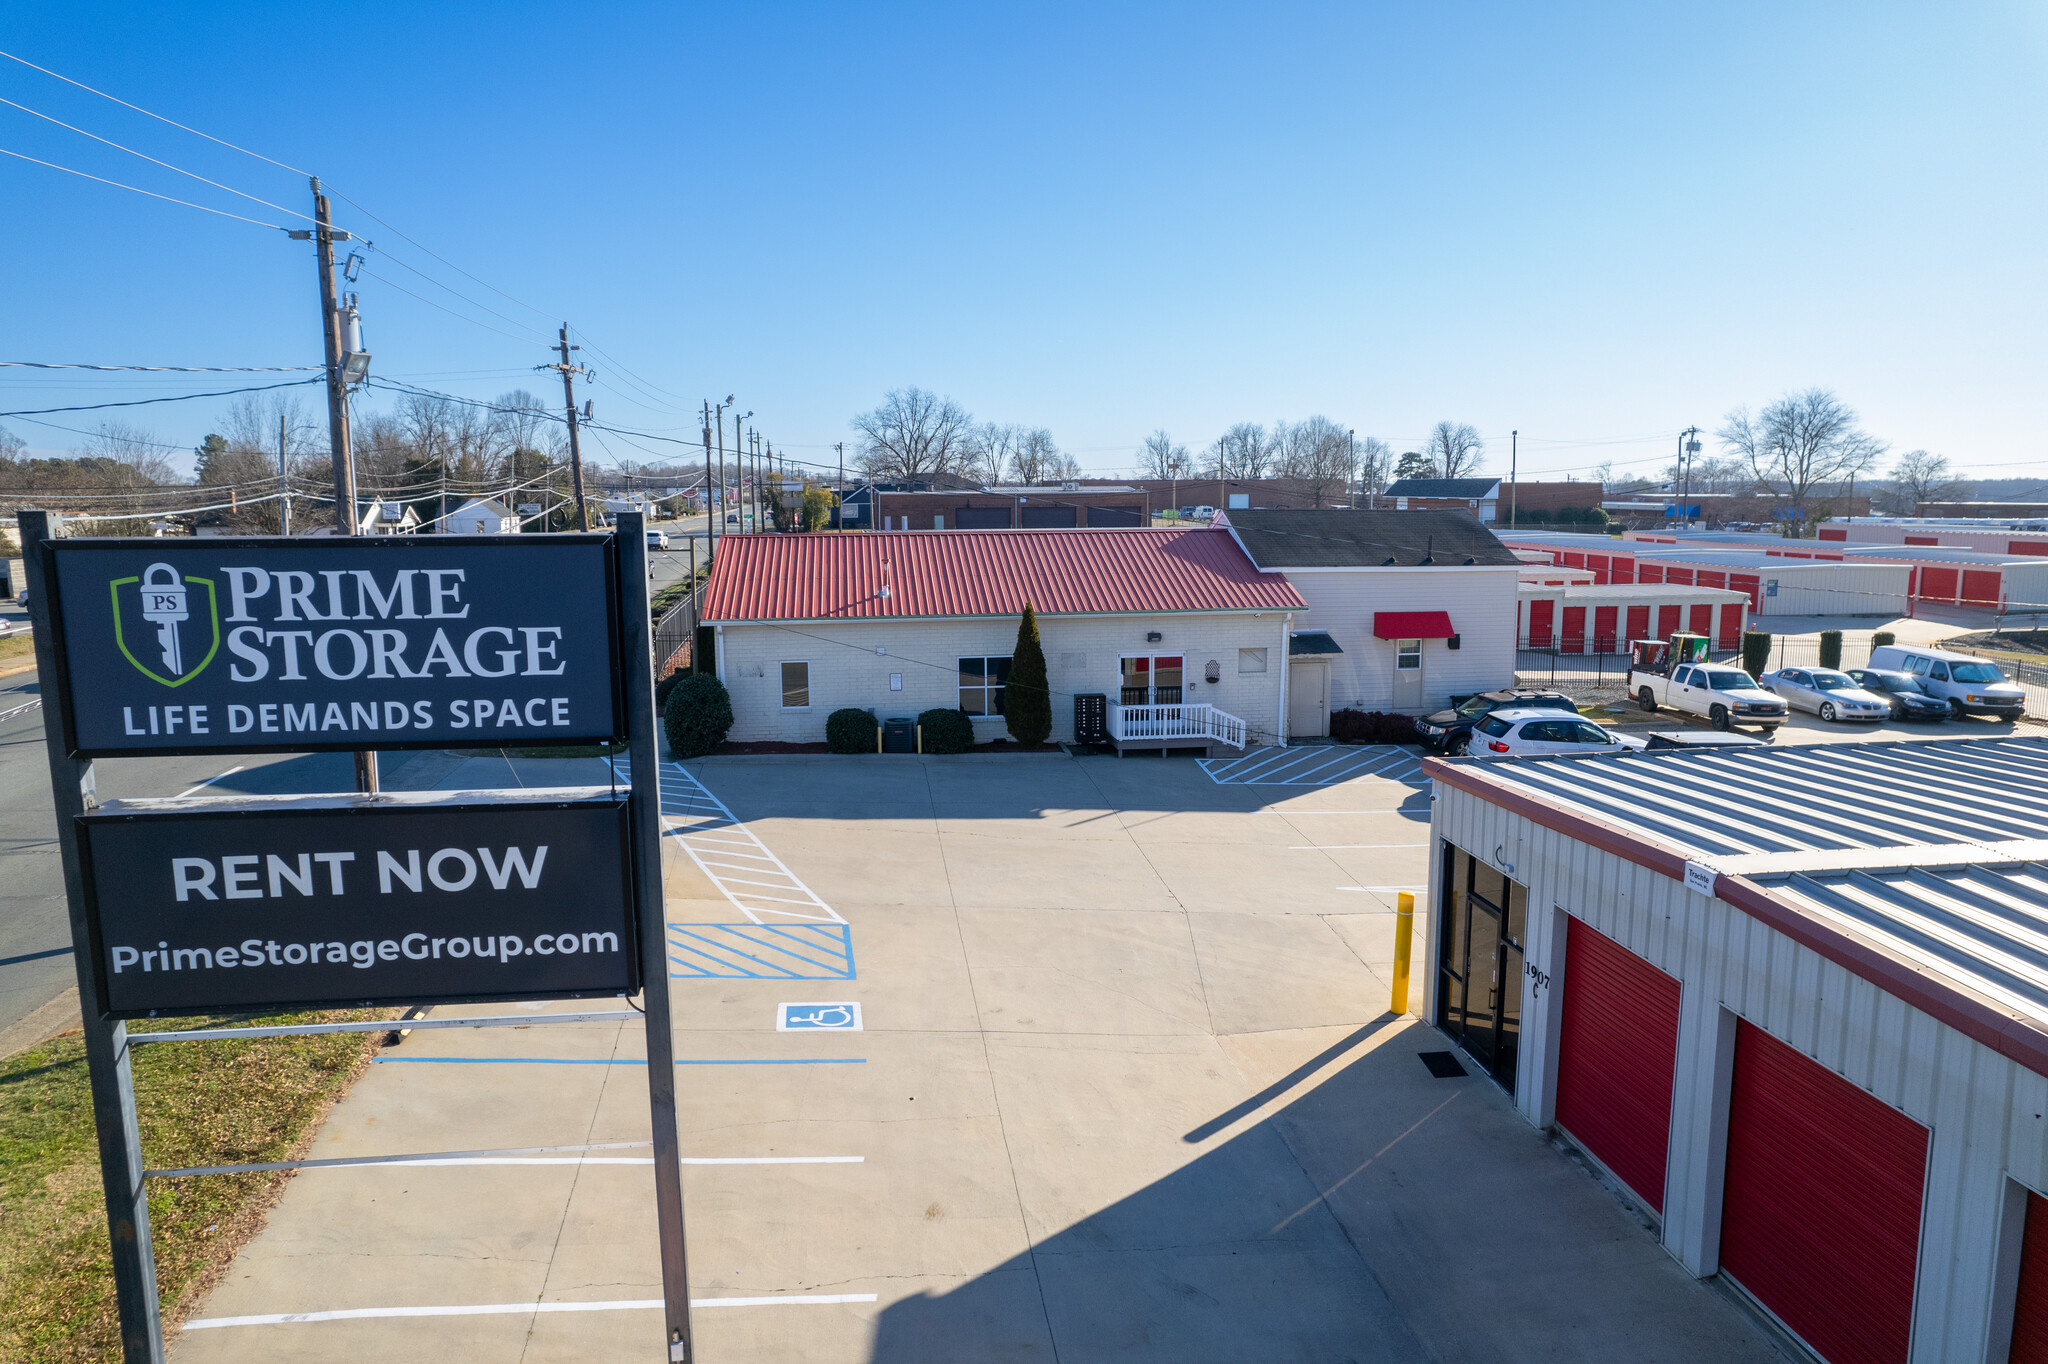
718	650
1286	627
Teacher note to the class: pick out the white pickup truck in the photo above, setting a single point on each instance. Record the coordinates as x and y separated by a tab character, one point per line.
1721	692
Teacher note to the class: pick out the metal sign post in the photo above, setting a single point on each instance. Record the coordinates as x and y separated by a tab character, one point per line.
106	1041
638	665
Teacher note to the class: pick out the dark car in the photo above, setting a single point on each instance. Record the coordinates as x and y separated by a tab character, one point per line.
1450	731
1909	699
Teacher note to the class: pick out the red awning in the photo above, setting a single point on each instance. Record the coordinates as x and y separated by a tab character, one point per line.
1412	625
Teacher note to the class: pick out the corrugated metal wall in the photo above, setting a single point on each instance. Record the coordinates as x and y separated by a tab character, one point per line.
1986	1112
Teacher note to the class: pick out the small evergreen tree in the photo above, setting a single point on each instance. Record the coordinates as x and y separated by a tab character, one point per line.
1831	648
1756	652
1027	703
1882	638
697	715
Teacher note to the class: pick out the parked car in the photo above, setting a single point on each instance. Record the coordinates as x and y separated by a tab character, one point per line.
1676	673
1827	693
1970	686
1205	513
657	539
1520	732
1450	731
1697	738
1909	700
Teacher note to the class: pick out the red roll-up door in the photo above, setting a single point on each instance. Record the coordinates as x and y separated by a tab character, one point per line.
1922	540
1833	533
1574	630
1730	636
1606	620
1706	579
1750	583
1639	622
1574	559
1540	614
1649	571
1703	619
1617	1051
1938	584
1667	621
1820	1217
2026	547
1597	563
1682	576
1980	586
1623	569
2030	1307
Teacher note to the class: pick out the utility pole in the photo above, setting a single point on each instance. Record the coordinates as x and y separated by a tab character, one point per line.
284	479
839	495
1687	448
1514	470
712	492
346	519
575	446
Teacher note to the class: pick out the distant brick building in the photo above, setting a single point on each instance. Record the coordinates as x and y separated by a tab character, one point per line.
1029	508
1241	494
1488	499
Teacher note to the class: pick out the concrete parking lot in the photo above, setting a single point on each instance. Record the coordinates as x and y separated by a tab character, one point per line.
1128	1089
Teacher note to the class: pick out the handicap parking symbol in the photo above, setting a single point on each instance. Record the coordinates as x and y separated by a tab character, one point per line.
815	1017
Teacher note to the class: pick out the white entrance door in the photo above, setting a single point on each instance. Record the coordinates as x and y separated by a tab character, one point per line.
1308	700
1408	675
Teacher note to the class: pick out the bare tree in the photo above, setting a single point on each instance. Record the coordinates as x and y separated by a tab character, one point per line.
1375	466
1921	476
1246	450
913	434
1320	453
1161	458
11	445
1036	459
1455	450
132	447
990	448
1798	442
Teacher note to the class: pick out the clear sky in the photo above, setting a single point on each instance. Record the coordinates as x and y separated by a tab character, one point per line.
1594	223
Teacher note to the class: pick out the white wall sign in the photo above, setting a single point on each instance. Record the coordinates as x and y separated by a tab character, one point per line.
1700	878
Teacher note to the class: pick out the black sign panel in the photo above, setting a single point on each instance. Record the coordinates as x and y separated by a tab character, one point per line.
357	900
256	645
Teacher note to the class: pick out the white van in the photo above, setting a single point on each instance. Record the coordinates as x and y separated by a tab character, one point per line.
1971	686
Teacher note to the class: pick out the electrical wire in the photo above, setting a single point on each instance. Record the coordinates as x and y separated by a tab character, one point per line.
395	260
168	369
133	190
153	161
176	398
158	117
522	340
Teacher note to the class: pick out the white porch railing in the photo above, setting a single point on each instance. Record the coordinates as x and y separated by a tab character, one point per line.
1128	724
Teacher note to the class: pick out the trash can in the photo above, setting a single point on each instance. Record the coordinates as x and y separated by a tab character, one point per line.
899	734
1091	718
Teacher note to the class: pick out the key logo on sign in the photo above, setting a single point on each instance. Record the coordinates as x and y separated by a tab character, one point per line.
166	601
835	1017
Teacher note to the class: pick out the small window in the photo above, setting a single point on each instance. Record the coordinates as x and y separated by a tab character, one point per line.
1938	671
1240	502
796	686
1592	734
939	522
1493	726
1407	654
1251	660
982	683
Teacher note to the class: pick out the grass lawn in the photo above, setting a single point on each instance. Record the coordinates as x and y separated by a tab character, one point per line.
17	648
206	1103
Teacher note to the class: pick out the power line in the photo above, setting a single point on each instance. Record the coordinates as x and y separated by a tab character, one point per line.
384	252
275	227
526	341
158	117
152	160
175	398
167	369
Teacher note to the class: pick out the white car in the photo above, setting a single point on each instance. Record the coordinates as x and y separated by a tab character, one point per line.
1524	732
1828	693
657	539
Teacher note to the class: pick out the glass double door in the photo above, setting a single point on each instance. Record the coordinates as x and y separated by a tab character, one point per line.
1480	963
1152	680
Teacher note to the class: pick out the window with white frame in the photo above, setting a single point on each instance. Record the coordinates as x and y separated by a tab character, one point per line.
796	686
982	684
1407	655
1251	660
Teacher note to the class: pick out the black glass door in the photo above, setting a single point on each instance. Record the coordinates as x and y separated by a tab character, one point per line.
1480	963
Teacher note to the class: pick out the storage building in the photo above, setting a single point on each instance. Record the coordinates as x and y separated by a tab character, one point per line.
1792	1001
1776	585
1594	619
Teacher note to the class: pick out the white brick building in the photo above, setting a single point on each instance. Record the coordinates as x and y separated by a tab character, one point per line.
900	622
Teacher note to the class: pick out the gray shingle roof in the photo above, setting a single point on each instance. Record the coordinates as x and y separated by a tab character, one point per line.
1278	540
1467	488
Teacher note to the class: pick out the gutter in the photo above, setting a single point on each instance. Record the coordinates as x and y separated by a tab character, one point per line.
1976	1016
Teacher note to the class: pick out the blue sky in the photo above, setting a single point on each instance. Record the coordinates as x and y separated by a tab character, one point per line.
1597	224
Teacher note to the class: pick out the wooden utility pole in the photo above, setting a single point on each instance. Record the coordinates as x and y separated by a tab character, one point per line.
284	479
575	446
713	493
839	496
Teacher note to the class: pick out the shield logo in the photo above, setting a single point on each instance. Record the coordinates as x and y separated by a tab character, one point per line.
172	623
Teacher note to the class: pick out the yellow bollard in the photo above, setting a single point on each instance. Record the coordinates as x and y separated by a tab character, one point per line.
1404	944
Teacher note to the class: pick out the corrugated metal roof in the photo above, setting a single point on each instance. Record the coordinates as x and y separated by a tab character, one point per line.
955	573
1467	488
1985	926
1284	539
1806	797
1938	554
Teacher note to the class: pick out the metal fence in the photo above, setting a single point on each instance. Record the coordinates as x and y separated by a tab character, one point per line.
674	634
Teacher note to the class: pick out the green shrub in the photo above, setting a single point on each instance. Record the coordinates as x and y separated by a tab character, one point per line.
1027	701
1831	648
698	715
850	730
665	685
944	729
1535	516
1882	638
1756	652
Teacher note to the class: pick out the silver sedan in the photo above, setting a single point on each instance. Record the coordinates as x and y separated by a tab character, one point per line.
1830	694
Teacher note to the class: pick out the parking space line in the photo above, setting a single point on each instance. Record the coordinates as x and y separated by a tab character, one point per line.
513	1308
774	951
704	828
1317	765
612	1061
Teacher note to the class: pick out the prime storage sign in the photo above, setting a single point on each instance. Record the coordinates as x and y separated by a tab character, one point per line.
357	900
240	646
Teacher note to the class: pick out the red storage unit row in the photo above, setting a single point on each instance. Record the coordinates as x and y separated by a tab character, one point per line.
1592	619
2030	1303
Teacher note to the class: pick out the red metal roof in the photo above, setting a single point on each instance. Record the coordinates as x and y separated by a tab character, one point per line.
986	573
